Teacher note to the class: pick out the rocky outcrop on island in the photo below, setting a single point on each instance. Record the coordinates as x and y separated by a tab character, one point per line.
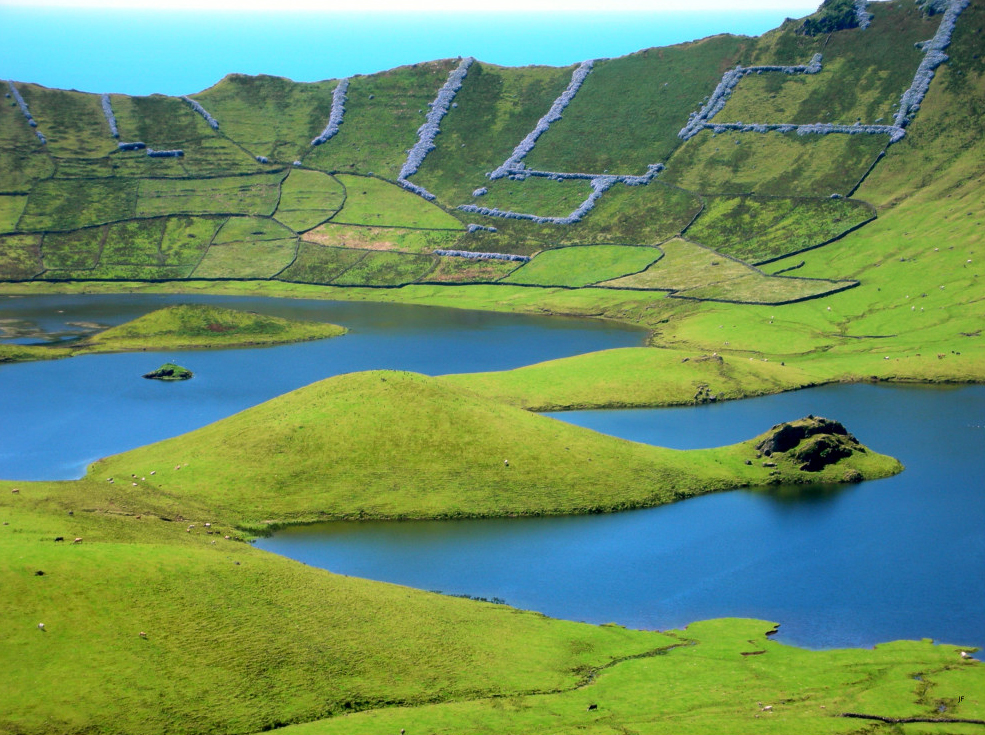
812	443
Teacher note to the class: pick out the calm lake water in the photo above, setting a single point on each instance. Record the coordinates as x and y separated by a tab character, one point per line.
70	412
836	566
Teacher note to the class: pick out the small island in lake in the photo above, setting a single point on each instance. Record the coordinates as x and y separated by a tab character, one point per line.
169	371
182	327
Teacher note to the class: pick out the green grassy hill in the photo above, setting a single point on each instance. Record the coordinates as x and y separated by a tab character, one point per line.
400	445
760	260
77	208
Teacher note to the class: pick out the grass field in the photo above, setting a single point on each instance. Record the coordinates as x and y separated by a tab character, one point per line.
382	114
238	641
737	683
380	268
11	208
398	239
262	259
270	116
247	195
60	204
373	202
757	229
580	266
308	198
20	255
497	107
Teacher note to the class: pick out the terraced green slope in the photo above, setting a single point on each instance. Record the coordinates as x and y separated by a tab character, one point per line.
241	138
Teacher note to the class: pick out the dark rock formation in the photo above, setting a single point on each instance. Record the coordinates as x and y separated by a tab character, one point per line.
814	442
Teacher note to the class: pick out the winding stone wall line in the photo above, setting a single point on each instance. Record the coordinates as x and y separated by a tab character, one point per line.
430	129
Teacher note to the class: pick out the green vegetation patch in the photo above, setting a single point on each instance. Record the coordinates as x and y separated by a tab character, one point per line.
80	168
20	256
64	204
319	264
635	215
186	239
193	326
270	116
247	195
120	272
497	107
15	132
382	114
11	208
169	372
758	229
778	164
535	195
74	250
371	201
251	229
72	122
737	679
580	266
469	270
864	74
758	288
263	259
309	198
629	110
21	169
147	609
633	376
168	123
684	265
133	243
385	238
379	268
388	444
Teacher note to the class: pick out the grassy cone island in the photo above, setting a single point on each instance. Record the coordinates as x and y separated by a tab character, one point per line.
385	444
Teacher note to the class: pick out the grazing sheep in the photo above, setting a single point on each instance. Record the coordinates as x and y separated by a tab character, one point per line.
40	626
77	541
59	538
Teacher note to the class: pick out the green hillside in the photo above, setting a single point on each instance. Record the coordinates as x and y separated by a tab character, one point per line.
743	174
795	209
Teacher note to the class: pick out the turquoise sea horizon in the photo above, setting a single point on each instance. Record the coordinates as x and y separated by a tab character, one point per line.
141	52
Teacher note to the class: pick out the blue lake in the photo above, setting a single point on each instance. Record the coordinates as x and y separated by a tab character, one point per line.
70	412
836	566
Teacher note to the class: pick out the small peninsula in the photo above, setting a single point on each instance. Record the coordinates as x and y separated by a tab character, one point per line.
182	327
